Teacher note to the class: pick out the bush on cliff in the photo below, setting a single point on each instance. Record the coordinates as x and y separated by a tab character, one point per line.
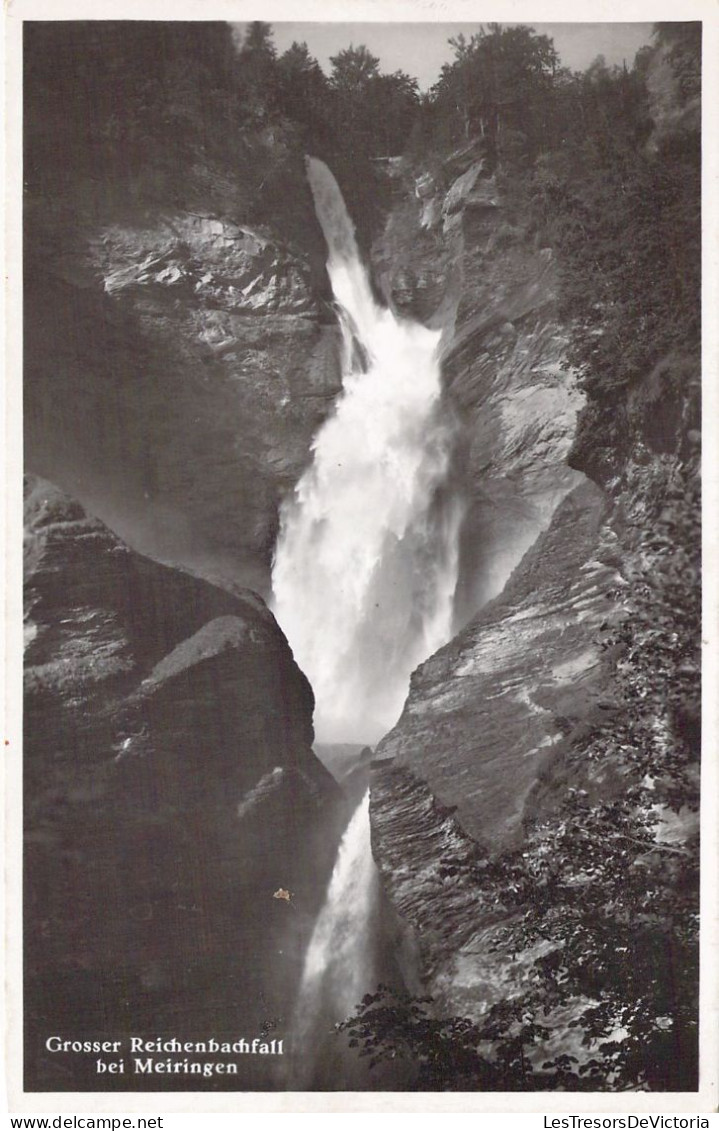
448	1053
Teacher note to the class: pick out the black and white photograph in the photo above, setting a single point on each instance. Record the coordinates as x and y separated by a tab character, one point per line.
362	703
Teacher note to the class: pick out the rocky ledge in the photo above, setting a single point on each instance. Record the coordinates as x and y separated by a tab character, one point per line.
481	726
170	792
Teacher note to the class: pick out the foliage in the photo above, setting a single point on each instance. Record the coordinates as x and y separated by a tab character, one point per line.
256	71
257	42
684	43
499	86
571	149
624	218
354	69
374	111
444	1052
628	232
154	86
176	106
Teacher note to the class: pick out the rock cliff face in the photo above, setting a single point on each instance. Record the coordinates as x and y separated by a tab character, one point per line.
523	711
179	352
195	348
479	725
482	725
451	257
170	791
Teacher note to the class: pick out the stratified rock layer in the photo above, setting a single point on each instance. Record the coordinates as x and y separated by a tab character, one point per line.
170	791
482	724
483	720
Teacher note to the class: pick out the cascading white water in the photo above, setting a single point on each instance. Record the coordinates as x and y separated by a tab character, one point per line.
363	584
341	963
340	957
366	561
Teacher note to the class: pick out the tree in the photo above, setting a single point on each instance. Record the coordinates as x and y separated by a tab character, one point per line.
353	69
374	113
624	218
298	61
258	73
684	44
257	43
499	86
305	92
391	104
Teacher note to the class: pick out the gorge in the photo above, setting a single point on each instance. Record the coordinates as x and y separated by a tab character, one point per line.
366	534
448	429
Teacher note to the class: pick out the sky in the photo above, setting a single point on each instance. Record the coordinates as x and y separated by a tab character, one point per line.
420	49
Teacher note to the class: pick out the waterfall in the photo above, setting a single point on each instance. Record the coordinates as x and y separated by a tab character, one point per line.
339	964
340	950
365	566
363	583
347	957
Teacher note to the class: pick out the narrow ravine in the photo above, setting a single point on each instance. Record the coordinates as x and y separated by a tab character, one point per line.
364	577
366	561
